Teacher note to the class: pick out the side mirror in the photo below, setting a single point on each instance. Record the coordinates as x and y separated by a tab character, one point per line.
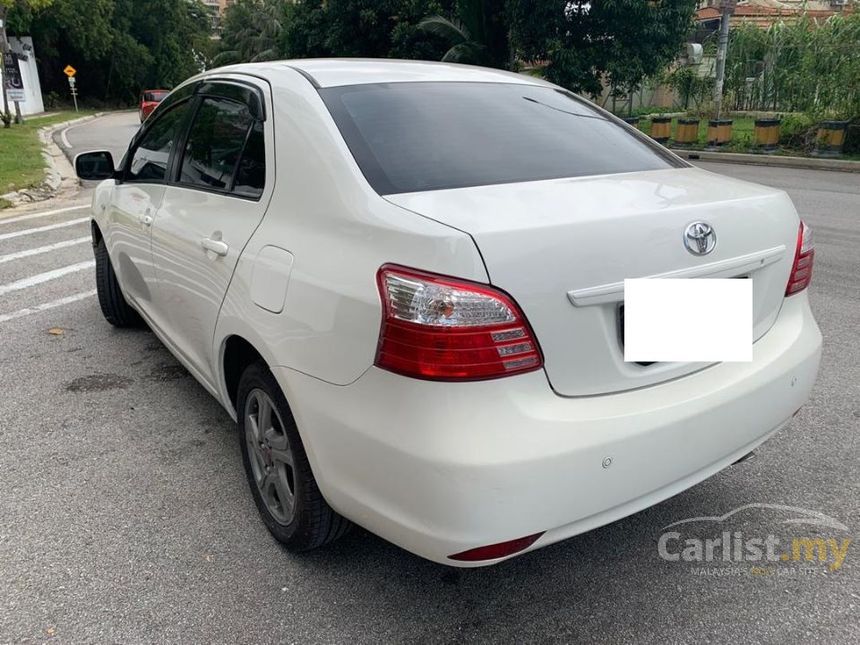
95	166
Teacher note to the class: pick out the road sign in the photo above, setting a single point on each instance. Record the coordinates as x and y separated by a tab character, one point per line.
12	77
70	71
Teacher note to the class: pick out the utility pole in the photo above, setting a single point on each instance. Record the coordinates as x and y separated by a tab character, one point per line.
727	8
7	117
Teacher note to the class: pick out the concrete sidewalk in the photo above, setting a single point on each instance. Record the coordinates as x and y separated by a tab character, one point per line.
784	161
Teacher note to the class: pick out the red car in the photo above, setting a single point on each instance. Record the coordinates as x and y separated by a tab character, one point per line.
148	100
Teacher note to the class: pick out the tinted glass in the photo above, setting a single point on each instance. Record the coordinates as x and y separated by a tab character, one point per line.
409	137
215	143
149	161
154	96
251	174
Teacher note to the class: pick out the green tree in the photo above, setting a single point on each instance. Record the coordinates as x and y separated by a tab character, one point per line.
362	28
585	43
476	34
251	32
118	46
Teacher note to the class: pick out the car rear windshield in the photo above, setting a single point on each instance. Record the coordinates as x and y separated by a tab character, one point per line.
412	137
155	96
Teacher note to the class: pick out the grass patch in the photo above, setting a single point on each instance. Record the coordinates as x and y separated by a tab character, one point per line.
21	163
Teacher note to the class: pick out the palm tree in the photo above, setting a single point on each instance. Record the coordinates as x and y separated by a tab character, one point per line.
477	34
252	32
463	48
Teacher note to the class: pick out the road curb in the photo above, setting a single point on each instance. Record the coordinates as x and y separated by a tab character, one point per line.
806	163
59	172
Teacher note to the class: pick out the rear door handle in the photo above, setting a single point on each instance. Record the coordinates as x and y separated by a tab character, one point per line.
216	246
146	220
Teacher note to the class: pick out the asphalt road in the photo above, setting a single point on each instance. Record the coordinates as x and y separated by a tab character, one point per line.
110	132
126	516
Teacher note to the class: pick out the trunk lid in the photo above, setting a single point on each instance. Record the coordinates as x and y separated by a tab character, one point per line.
562	248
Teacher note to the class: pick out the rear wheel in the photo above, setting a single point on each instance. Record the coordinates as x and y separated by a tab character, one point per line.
277	467
113	304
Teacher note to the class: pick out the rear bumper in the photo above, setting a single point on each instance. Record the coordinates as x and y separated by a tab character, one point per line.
439	468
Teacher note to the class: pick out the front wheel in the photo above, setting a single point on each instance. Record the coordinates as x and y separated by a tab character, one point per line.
277	467
113	304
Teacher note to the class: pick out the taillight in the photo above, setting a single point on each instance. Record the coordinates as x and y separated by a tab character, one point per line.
441	328
801	270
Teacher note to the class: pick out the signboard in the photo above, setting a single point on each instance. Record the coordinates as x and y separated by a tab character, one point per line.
69	71
12	78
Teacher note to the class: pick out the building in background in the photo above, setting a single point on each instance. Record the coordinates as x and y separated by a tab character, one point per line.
32	103
764	13
217	8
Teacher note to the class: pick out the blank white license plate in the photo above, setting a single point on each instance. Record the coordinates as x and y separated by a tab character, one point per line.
702	320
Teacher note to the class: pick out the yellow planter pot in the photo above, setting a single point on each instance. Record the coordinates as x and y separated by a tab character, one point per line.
719	133
830	138
687	132
767	134
661	129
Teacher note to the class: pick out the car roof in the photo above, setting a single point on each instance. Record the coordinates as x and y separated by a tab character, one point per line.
334	72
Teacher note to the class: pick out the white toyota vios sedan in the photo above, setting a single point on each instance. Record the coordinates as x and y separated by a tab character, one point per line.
404	280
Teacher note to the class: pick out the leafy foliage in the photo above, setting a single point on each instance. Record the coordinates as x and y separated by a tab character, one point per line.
118	46
478	34
251	32
804	66
361	28
690	87
583	42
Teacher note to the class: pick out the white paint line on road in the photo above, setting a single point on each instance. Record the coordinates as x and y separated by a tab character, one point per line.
39	278
47	305
49	227
24	218
44	249
63	136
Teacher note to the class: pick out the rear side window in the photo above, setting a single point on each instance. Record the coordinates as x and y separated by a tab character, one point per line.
218	139
251	173
410	137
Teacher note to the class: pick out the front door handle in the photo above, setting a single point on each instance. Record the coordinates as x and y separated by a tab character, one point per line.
146	220
217	247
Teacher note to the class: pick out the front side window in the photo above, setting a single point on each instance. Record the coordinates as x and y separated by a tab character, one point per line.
215	144
150	157
409	137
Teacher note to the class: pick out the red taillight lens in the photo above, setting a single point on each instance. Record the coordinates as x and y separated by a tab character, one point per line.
440	328
801	270
494	551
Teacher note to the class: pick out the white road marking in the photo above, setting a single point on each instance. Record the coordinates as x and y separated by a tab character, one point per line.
44	249
49	227
47	305
24	218
63	136
39	278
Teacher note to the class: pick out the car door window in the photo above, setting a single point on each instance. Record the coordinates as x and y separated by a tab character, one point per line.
152	153
215	143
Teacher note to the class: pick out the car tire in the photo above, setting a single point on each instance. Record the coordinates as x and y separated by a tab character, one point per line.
276	465
113	304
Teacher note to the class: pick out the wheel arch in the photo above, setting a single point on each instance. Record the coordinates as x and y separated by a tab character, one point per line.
95	232
236	355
